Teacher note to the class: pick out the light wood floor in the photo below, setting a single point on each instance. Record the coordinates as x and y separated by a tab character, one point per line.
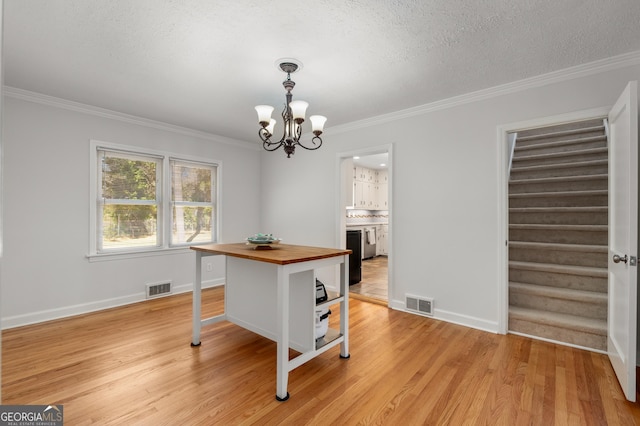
375	281
134	365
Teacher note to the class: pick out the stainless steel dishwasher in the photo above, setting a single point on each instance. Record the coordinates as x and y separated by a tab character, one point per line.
369	242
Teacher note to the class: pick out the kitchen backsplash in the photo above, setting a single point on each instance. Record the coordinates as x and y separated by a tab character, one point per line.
357	217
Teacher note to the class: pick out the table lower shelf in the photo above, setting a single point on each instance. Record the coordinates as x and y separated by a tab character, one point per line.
328	338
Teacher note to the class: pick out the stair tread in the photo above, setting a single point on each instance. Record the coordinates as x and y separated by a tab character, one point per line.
551	155
575	164
601	176
563	142
559	227
559	209
559	292
562	269
560	194
593	325
559	246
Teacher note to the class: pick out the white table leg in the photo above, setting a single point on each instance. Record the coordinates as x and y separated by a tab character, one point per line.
344	307
282	330
197	302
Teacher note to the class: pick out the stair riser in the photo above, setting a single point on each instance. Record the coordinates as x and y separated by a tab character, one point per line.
562	306
540	147
559	218
554	279
560	201
548	138
560	334
526	162
581	185
559	257
580	127
556	236
558	172
589	127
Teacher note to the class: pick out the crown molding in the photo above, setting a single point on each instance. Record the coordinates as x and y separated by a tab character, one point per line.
55	102
591	68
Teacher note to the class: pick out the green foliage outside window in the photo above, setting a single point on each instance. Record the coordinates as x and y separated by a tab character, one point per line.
191	186
124	179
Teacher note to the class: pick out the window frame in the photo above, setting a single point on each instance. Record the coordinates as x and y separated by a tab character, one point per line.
164	200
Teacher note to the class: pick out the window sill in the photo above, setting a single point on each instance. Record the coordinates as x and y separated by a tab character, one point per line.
104	257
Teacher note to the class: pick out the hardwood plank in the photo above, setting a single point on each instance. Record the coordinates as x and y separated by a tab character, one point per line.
135	365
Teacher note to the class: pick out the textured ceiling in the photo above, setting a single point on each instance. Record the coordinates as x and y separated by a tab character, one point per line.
204	64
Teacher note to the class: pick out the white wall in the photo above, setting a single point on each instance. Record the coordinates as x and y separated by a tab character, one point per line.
45	272
447	239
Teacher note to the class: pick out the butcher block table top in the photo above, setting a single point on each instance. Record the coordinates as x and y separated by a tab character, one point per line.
280	254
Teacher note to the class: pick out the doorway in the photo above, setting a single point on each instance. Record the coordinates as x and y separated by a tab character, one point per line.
558	233
621	128
365	211
506	148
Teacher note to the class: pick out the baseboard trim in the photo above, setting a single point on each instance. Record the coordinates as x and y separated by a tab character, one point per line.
85	308
557	342
453	317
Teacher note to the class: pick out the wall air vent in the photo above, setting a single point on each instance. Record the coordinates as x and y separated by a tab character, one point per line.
419	305
158	289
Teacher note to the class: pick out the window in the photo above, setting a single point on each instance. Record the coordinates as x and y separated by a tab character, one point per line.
150	201
128	201
192	196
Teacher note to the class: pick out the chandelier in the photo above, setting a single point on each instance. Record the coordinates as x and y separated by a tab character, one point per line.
292	116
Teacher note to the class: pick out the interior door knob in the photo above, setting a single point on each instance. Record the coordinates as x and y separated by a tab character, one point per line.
618	259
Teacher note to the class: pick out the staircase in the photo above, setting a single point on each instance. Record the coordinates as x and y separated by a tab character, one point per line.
558	234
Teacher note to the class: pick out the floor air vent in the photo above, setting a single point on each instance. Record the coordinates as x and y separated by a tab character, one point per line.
419	305
158	289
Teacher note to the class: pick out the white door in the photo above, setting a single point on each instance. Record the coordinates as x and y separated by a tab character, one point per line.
623	238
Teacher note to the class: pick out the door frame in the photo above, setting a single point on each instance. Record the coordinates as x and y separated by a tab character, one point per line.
341	220
503	191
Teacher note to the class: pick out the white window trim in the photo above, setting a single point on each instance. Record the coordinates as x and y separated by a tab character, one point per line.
163	224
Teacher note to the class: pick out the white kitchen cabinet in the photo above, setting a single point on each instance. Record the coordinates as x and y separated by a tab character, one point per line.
364	195
360	173
359	201
382	190
369	188
370	195
365	174
382	232
383	196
